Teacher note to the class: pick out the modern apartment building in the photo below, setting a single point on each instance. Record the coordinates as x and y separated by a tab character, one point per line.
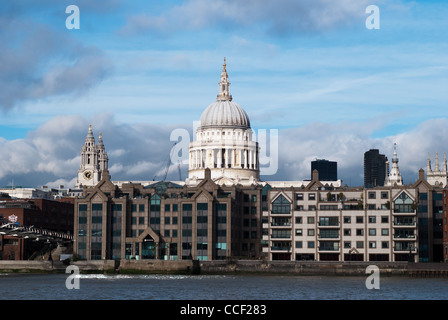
322	223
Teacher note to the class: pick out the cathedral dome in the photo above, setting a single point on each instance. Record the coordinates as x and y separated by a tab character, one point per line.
225	113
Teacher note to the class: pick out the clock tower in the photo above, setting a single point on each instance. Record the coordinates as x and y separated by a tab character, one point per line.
93	161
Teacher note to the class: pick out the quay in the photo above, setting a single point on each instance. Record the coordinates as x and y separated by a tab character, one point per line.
328	268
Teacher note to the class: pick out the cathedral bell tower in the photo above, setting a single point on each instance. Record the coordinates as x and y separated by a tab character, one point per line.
94	161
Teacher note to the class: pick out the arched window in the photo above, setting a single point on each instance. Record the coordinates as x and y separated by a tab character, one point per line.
281	205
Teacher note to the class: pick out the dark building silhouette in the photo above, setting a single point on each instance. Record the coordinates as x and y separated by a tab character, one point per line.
328	170
375	168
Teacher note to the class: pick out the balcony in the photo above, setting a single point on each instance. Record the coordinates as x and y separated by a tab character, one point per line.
281	248
403	247
328	222
404	222
330	246
404	236
281	222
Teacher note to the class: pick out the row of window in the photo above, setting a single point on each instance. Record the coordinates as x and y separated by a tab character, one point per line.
328	221
334	233
337	197
347	245
334	246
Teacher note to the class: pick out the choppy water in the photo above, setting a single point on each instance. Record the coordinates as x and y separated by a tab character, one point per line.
207	287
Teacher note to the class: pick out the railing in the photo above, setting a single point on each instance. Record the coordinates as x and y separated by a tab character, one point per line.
279	248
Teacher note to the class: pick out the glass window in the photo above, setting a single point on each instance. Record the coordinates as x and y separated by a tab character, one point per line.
281	205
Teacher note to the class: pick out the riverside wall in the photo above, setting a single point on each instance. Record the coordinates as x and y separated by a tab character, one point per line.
328	268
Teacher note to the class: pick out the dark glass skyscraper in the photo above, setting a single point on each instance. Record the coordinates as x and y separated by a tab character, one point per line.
328	170
375	168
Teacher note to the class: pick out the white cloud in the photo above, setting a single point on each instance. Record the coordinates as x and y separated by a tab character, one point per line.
39	62
346	144
51	154
52	151
276	16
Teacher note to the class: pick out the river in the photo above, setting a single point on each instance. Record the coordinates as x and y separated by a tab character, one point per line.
217	287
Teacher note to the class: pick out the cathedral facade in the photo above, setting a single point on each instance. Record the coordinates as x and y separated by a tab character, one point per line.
224	210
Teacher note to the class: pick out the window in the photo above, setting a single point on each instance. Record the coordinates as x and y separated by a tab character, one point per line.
278	233
298	219
329	233
299	196
360	244
372	219
311	196
372	195
372	232
359	219
359	232
311	232
347	232
328	221
384	219
403	203
347	244
372	244
298	232
281	205
310	244
384	195
384	232
310	220
384	244
299	244
347	219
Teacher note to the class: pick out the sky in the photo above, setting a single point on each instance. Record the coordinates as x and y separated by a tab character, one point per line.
137	71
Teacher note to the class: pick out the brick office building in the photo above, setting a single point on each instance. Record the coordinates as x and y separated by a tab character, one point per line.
39	213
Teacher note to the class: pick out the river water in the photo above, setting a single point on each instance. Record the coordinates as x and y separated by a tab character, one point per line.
217	287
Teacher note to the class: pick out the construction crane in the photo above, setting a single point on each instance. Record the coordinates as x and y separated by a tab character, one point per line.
167	167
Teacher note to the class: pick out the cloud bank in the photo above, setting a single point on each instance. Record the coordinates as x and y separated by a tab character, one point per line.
50	155
39	62
279	17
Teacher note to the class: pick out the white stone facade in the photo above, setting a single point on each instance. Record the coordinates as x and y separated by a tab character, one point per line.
224	143
438	176
94	161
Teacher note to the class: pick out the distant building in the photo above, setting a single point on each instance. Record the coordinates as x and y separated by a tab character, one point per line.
394	176
375	168
328	170
438	176
94	161
39	193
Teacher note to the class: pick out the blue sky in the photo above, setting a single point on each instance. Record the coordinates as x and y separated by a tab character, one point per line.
137	70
